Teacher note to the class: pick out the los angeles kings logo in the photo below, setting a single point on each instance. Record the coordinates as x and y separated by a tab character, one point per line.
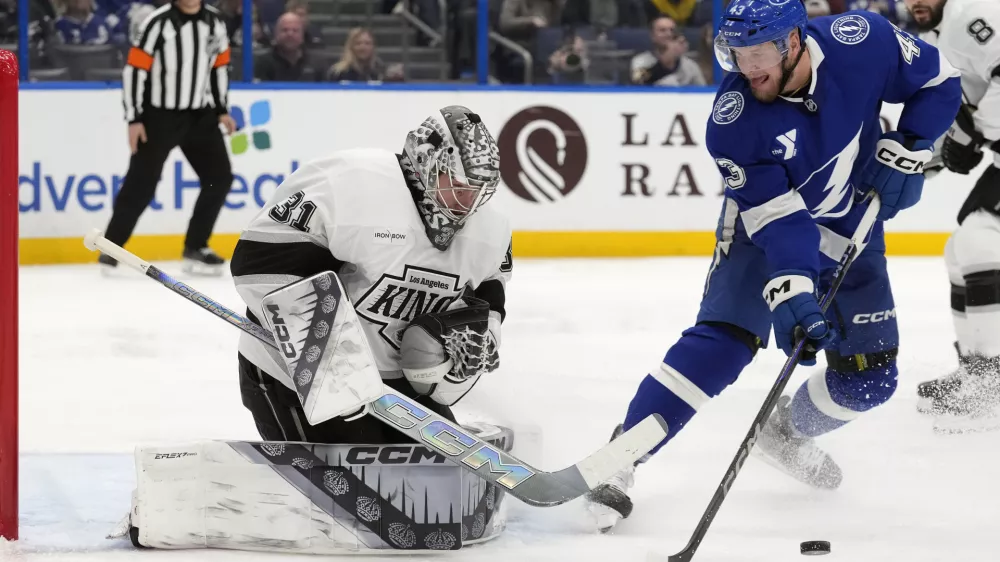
395	300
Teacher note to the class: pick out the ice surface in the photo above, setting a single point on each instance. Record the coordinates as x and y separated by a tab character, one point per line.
107	364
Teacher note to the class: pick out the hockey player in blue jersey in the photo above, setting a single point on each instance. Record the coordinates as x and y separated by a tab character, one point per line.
796	134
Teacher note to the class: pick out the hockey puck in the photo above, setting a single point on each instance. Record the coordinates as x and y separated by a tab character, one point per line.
815	548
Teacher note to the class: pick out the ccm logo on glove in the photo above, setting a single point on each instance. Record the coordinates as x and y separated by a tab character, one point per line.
782	288
892	154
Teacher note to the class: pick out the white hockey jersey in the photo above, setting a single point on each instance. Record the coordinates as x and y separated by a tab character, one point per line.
353	213
967	36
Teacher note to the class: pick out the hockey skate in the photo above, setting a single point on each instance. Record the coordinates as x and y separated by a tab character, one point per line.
609	502
109	268
202	262
937	396
784	448
975	406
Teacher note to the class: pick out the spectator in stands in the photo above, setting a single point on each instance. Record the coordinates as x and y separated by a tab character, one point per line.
313	34
359	63
893	10
817	8
232	14
127	29
428	11
287	60
602	14
665	64
706	52
79	25
681	11
568	65
8	21
519	19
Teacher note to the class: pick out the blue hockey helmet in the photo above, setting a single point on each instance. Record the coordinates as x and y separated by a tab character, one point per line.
748	23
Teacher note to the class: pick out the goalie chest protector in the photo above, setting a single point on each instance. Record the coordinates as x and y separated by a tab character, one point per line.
392	272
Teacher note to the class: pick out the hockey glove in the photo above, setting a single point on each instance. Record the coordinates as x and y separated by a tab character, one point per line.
961	150
896	172
442	354
794	308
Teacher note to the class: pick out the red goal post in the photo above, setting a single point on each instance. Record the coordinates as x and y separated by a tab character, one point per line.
8	294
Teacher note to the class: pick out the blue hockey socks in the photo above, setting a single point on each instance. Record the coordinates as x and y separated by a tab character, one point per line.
704	361
830	399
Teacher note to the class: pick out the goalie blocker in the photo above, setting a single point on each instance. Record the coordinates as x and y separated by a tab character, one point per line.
310	498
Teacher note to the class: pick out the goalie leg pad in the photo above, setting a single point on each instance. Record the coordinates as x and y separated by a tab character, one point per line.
311	499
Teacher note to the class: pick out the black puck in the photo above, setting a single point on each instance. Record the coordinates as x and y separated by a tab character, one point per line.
815	548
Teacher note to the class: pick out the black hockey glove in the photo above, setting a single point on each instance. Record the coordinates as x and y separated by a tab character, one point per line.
985	195
460	335
962	147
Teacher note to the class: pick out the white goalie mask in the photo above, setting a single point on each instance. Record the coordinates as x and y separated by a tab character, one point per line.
456	162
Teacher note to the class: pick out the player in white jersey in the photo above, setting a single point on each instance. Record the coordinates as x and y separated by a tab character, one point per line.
965	32
418	252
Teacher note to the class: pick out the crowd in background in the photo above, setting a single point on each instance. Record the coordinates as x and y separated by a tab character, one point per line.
644	42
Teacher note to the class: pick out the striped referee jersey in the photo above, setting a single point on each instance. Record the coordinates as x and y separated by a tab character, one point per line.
177	61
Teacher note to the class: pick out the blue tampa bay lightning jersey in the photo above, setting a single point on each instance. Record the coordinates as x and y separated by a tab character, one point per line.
792	166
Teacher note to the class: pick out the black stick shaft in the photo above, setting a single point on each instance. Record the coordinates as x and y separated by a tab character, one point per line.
750	440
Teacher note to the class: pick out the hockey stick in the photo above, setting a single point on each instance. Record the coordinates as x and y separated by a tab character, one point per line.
521	480
853	249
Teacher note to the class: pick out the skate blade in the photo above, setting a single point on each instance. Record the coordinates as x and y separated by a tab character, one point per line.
604	517
957	425
192	267
768	459
115	272
925	406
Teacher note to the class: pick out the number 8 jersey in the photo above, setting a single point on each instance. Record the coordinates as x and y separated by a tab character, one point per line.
967	37
353	213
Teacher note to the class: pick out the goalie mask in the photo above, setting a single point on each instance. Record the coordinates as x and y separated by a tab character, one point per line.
452	166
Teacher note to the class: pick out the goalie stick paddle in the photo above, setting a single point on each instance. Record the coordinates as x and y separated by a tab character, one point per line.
853	249
530	485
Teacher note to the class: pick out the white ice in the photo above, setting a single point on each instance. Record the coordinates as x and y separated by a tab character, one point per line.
108	364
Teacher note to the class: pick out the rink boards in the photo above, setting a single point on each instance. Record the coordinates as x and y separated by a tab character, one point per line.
602	173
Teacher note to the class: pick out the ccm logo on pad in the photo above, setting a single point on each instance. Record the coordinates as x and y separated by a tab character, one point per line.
874	317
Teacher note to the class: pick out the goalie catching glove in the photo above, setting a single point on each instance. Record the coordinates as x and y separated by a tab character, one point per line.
443	354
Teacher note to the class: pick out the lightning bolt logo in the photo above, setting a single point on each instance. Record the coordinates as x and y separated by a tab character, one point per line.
728	107
850	29
838	184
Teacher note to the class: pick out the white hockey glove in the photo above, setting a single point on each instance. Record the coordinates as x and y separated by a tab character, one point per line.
443	354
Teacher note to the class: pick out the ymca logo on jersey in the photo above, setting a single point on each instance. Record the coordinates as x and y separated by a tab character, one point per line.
728	108
395	300
850	30
828	191
787	142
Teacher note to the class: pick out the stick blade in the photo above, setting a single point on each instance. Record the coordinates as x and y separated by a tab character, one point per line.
547	489
626	449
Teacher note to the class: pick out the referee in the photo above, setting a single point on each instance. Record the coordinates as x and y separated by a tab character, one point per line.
175	85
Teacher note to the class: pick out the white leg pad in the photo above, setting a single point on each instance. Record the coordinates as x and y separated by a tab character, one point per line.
307	498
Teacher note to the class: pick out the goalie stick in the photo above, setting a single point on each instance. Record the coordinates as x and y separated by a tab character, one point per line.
853	249
530	485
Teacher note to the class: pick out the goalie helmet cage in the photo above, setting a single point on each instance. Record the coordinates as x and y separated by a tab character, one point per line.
8	294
